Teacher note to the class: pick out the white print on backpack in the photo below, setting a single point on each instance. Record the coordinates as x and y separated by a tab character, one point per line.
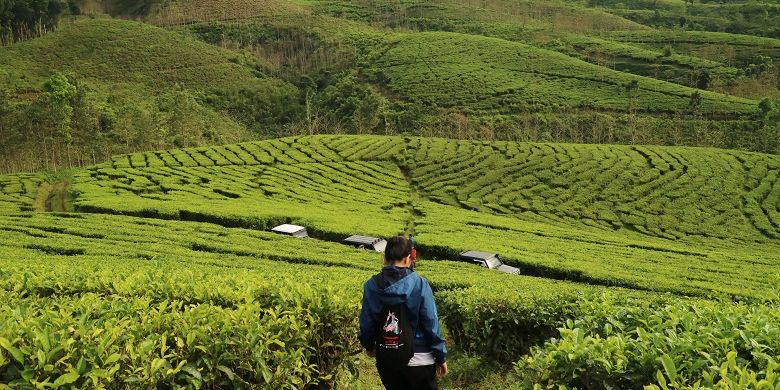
392	337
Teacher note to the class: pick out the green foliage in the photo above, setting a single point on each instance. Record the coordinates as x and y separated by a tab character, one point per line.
629	344
355	76
222	322
474	16
292	339
24	19
166	277
182	278
621	210
730	49
356	104
118	51
751	18
182	253
261	106
477	74
124	101
57	101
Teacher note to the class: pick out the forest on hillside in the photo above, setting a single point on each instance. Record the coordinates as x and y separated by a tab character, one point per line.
599	72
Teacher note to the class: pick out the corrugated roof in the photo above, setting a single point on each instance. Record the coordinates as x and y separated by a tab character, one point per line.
366	240
289	229
378	244
478	254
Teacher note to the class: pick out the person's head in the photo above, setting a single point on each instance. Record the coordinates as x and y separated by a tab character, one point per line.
398	251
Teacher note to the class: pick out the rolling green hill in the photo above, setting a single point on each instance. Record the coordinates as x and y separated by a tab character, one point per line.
603	207
470	69
591	34
116	52
478	74
640	238
742	48
135	86
622	155
488	16
188	11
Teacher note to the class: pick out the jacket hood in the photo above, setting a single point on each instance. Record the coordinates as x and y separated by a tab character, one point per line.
400	284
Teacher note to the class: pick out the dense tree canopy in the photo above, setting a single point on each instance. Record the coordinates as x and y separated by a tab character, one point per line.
22	19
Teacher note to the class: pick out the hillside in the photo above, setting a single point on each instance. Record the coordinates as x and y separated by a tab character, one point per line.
513	17
127	79
115	51
180	12
609	205
595	35
478	74
639	237
624	157
552	71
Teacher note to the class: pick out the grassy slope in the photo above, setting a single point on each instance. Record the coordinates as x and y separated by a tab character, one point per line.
590	34
534	203
745	46
113	52
490	15
489	74
634	220
129	67
521	22
188	11
120	258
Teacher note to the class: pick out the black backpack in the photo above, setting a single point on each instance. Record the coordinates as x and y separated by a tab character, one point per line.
394	337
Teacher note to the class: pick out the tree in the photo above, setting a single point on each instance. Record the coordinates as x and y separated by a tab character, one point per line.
354	103
703	79
759	65
694	103
182	121
5	106
768	134
767	108
23	19
631	88
57	111
6	129
88	124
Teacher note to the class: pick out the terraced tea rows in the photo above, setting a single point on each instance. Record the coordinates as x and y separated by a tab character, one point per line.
17	192
170	310
628	215
179	239
665	192
479	74
202	266
692	267
630	57
744	47
337	197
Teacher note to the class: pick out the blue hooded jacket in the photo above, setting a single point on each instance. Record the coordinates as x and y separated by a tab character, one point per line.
402	285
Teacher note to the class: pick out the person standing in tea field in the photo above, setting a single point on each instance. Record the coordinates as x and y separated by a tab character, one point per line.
399	324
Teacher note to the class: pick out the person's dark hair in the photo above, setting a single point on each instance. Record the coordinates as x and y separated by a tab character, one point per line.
397	248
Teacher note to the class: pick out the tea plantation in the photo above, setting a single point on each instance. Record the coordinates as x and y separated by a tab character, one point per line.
484	74
640	265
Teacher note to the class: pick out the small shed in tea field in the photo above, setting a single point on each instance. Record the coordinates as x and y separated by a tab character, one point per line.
291	230
488	260
366	242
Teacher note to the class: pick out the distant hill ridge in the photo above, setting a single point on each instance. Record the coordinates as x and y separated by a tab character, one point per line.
231	70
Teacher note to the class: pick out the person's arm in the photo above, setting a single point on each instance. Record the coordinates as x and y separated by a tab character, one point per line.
429	324
368	325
